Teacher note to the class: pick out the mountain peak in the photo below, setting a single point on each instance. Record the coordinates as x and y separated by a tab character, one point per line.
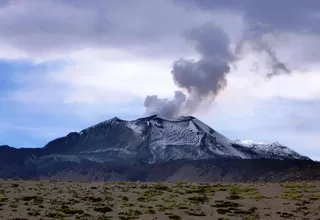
154	117
155	139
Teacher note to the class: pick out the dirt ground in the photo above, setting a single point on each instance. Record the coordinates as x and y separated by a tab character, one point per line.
21	199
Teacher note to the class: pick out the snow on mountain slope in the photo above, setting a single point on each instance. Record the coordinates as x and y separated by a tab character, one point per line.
266	149
154	139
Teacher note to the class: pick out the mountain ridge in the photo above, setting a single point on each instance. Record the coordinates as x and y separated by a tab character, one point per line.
156	132
155	139
155	149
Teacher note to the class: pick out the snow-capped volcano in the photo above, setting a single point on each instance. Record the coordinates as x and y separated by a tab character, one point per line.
151	149
155	139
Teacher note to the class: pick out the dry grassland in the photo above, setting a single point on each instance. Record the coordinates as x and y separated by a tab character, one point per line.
21	199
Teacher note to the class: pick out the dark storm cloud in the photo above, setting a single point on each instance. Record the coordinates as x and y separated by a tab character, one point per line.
202	79
45	26
61	25
4	3
263	16
144	27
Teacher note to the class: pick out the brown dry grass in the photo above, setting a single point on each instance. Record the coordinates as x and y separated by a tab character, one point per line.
124	200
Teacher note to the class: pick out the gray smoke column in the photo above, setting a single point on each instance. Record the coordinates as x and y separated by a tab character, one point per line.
202	79
164	107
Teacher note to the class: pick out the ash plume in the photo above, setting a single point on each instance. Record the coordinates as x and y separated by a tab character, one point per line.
164	107
259	44
200	80
276	65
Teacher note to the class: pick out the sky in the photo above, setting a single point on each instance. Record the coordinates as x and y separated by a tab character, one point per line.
250	69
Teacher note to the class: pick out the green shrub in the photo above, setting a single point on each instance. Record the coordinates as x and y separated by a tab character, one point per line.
103	209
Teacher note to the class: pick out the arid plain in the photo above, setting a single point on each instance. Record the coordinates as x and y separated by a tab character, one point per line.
21	199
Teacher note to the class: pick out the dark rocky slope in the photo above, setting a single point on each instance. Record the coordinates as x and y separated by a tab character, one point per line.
217	170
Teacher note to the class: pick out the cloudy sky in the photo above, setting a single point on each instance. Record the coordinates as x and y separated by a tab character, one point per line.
248	68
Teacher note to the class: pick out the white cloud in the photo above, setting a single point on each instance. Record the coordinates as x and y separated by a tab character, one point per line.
136	77
94	76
